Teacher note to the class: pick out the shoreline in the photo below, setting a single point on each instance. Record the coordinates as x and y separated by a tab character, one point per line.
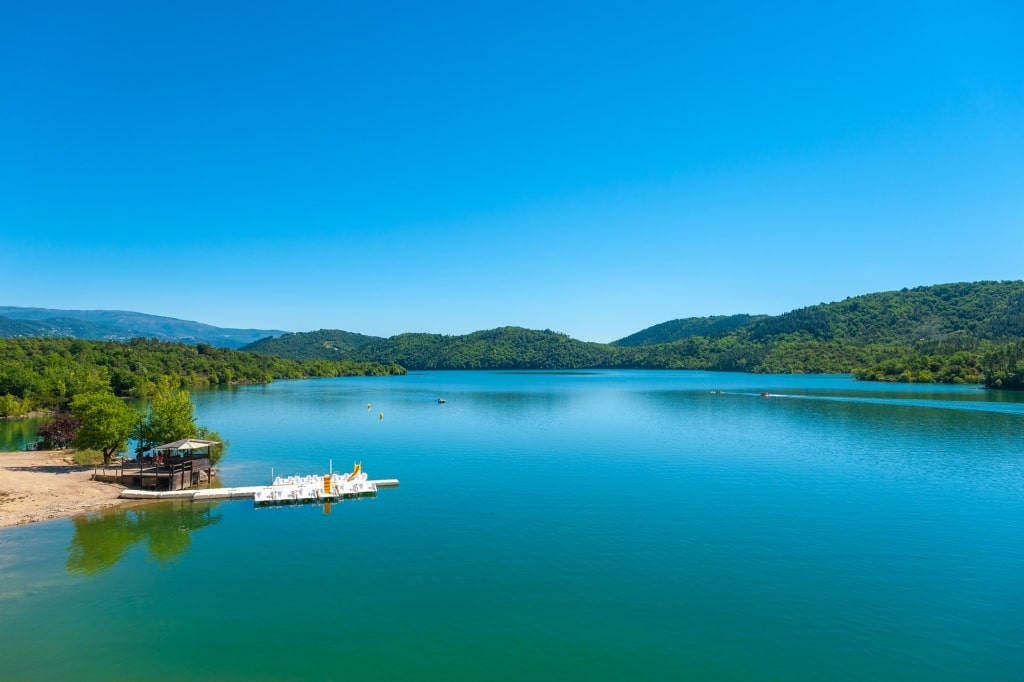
41	485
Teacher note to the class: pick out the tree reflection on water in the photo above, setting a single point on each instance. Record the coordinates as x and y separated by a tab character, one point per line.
15	433
102	539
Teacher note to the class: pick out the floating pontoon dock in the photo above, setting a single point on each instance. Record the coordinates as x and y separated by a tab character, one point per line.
332	487
245	493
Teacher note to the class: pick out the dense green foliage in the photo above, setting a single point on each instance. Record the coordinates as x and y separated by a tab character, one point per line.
504	348
11	406
326	344
106	422
945	333
1004	366
47	373
171	417
667	332
915	367
966	332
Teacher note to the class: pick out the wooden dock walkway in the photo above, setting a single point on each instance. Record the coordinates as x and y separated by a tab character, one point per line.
172	475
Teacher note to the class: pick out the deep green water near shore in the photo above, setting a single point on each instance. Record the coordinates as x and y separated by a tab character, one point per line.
587	525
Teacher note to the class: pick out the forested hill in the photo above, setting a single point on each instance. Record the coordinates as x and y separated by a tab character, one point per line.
47	373
983	310
504	348
966	332
667	332
325	344
992	311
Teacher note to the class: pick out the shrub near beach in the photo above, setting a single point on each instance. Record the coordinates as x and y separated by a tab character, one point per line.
87	457
58	433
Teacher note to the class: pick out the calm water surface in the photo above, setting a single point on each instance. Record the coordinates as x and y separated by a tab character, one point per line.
590	525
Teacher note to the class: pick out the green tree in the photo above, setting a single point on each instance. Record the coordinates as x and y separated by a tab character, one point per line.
10	406
170	416
107	422
216	451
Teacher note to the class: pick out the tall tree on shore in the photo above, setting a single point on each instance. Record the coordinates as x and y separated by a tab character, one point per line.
170	416
107	422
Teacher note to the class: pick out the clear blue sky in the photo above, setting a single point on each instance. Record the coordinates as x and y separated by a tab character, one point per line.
590	168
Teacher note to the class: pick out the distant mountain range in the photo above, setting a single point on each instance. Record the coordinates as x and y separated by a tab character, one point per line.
120	325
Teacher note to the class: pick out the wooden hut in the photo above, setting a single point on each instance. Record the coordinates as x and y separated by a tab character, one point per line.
171	466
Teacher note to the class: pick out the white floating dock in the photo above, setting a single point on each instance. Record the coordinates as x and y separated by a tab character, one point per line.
315	489
251	493
332	487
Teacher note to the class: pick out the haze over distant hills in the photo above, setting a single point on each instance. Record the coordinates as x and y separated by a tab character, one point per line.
120	325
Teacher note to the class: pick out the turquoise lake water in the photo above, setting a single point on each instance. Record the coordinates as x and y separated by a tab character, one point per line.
550	526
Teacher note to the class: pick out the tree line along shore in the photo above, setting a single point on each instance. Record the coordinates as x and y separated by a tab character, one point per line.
964	333
951	333
82	389
48	373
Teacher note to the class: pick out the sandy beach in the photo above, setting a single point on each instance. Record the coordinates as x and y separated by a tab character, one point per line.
46	484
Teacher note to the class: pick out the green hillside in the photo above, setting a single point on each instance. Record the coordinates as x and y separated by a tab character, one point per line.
982	310
46	373
667	332
504	348
325	344
965	332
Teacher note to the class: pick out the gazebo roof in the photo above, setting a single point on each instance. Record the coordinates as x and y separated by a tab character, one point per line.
187	444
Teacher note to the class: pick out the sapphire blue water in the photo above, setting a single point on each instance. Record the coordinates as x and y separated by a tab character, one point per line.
590	525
